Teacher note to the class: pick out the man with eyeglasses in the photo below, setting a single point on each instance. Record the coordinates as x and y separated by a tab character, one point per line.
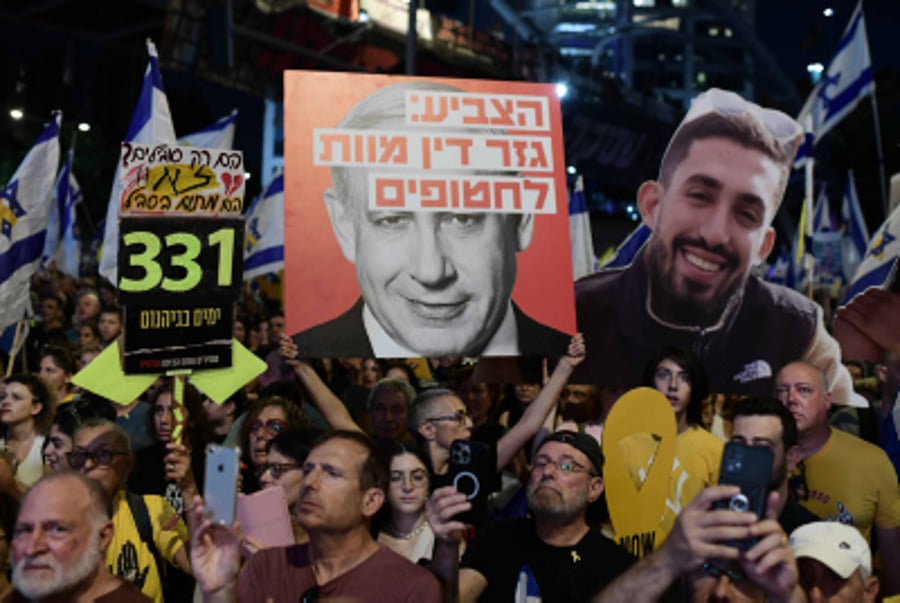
555	555
698	560
844	478
343	486
439	416
102	452
721	181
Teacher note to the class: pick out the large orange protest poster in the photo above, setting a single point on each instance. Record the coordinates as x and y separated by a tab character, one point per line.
457	203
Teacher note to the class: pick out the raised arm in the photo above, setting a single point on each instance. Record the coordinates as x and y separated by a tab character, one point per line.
331	407
694	539
699	535
442	506
215	556
537	411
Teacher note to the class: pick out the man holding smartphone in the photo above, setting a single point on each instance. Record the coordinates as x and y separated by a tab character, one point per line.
766	422
696	552
343	486
556	555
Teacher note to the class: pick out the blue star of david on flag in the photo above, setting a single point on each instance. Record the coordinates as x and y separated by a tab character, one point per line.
12	210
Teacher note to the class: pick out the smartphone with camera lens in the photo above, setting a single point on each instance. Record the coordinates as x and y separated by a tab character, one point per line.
749	468
220	488
472	474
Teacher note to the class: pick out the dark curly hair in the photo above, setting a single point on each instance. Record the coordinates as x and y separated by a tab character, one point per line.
689	362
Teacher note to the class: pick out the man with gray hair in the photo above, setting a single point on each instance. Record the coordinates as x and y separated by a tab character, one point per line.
139	548
389	401
432	283
842	477
721	181
835	563
59	547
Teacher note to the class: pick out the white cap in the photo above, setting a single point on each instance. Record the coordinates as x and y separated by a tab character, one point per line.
839	547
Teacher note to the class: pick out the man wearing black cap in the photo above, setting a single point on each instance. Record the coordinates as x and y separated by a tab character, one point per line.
552	556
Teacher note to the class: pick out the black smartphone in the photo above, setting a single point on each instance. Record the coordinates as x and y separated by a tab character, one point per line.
750	468
472	475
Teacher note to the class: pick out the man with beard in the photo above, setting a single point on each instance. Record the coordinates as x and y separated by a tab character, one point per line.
555	555
60	541
766	422
698	563
721	181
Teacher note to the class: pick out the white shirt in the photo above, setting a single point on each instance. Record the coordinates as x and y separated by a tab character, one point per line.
505	341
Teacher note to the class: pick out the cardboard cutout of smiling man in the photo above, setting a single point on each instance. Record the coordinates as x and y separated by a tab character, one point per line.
721	181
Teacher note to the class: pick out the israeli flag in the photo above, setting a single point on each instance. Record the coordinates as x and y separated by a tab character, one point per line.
822	214
846	81
630	247
853	225
584	261
780	272
150	124
62	246
219	135
264	231
881	262
23	222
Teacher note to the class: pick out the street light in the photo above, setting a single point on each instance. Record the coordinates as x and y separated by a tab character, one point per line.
815	71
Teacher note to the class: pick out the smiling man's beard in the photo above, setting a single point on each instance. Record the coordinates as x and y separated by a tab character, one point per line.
685	307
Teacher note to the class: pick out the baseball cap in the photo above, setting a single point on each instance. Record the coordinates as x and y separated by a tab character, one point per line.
839	547
584	443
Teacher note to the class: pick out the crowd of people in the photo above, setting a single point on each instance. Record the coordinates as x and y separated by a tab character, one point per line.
363	451
428	479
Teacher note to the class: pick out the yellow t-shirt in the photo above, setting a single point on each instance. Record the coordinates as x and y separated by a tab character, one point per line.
129	557
698	454
852	481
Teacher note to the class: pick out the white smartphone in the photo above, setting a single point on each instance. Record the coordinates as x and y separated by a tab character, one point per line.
220	487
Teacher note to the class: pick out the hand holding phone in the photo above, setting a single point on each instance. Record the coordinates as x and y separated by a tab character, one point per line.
220	488
749	468
472	474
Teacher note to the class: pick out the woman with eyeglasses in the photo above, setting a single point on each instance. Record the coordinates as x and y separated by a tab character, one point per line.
283	468
66	422
166	468
26	412
404	529
266	419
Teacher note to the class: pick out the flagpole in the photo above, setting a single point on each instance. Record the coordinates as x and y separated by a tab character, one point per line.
808	258
881	176
15	348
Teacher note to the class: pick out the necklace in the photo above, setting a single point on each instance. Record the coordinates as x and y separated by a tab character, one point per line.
406	535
